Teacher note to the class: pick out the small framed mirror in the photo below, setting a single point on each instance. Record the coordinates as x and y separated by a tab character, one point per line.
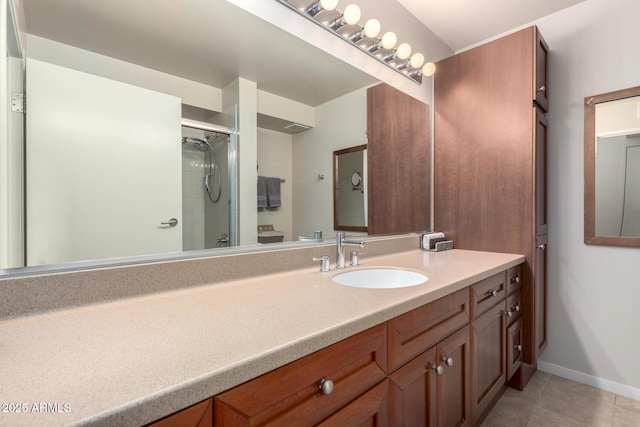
612	168
349	189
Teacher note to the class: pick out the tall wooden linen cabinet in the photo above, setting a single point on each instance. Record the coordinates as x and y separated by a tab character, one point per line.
490	149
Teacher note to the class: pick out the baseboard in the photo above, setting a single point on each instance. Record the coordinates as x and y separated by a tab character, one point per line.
580	377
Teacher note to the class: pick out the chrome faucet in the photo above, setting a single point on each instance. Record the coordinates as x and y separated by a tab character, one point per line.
341	242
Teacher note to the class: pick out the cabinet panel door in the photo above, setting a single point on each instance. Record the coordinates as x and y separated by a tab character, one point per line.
488	364
540	296
370	409
412	392
290	395
514	347
541	63
540	160
453	386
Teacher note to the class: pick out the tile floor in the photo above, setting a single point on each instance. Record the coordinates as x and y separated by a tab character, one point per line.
552	401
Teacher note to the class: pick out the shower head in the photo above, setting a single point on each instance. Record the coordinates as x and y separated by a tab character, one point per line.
198	143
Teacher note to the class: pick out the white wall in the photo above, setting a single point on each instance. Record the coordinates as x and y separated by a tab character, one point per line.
340	123
274	159
593	290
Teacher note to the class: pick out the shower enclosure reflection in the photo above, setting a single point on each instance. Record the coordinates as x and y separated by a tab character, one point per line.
205	189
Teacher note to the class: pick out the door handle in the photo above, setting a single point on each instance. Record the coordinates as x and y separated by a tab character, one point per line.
171	223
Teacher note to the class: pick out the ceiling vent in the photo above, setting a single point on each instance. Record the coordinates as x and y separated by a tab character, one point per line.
296	127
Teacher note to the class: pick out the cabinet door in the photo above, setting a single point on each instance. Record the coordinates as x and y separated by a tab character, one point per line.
488	367
291	395
412	392
453	386
540	296
514	347
540	164
541	64
198	415
370	409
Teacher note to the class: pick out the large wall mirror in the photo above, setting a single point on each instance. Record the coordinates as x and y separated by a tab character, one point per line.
184	60
612	168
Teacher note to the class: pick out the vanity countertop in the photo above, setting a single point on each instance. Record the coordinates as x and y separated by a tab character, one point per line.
132	361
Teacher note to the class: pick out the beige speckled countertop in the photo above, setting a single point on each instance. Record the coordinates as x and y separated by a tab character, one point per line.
132	361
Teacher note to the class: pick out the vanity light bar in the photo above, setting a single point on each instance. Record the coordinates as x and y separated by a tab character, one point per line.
381	48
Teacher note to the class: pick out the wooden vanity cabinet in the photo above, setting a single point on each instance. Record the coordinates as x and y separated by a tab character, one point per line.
490	156
291	395
198	415
440	364
429	361
488	342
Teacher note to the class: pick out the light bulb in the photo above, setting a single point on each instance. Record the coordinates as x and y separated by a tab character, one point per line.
403	51
389	40
428	69
351	14
416	60
372	28
328	4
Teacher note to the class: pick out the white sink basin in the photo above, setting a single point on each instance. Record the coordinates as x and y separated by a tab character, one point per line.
380	278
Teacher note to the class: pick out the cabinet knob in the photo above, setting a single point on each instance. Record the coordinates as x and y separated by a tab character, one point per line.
492	293
515	279
508	313
543	247
542	88
438	369
447	361
325	386
518	347
516	308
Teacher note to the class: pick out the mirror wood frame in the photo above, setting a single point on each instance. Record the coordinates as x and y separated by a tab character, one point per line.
337	153
590	237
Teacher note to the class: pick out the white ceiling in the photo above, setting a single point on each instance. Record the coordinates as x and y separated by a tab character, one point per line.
463	23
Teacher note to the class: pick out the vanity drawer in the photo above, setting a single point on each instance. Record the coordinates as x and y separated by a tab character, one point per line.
290	395
514	279
514	306
418	330
487	293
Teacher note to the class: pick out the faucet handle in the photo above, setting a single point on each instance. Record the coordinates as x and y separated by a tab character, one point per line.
324	262
354	258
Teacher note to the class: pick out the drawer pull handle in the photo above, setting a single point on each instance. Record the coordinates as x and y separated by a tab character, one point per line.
447	361
518	347
508	313
516	308
492	293
438	369
325	386
515	279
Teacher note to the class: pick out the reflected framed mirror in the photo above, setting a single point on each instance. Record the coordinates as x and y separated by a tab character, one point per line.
612	168
349	189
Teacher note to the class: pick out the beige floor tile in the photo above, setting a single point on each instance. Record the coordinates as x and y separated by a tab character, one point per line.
550	401
570	400
627	403
545	418
625	417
